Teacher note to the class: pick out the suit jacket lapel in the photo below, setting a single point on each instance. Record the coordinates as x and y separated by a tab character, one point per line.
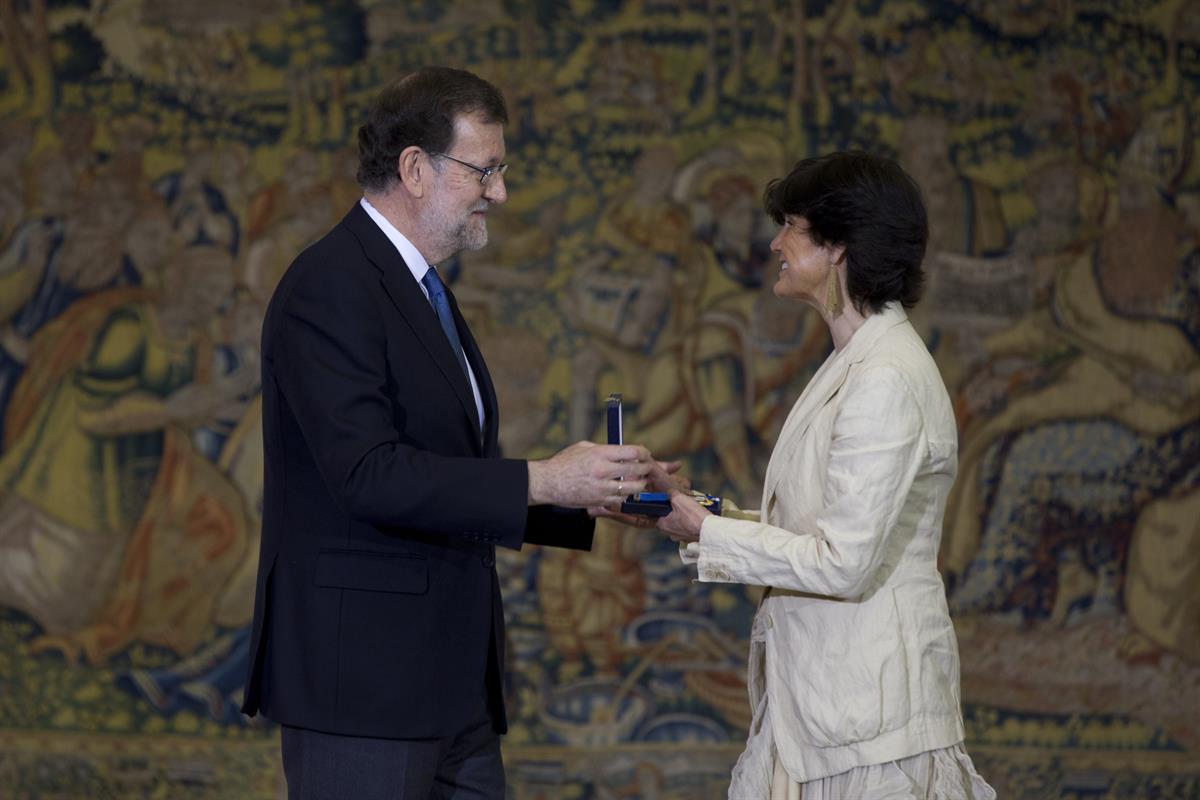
823	386
821	389
413	306
487	391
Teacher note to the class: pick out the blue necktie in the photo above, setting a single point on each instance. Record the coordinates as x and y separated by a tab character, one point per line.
441	306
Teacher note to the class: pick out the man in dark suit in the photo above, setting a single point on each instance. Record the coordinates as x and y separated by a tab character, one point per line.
378	630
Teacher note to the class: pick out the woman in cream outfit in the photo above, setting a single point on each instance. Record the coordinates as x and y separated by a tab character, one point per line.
854	673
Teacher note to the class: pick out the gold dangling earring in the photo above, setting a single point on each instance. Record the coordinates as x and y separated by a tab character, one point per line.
833	297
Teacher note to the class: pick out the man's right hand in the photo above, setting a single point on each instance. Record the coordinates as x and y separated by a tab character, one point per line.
589	475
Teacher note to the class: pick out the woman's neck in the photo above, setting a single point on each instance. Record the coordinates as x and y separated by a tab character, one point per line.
842	317
843	326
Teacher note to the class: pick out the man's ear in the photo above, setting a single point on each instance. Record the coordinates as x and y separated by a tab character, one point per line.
413	171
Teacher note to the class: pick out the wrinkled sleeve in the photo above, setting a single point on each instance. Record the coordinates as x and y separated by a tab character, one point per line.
878	445
689	552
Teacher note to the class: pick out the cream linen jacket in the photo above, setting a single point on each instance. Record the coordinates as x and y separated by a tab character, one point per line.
861	658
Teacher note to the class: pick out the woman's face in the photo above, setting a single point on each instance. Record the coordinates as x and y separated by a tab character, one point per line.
803	265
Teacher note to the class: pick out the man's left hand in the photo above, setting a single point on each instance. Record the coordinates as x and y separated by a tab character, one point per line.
664	477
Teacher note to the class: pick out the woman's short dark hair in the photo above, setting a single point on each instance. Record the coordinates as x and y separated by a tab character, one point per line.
869	205
420	109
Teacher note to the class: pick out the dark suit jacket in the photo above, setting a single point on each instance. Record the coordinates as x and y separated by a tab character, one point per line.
378	606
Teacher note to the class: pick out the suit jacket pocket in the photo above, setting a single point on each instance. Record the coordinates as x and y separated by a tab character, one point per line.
372	572
846	676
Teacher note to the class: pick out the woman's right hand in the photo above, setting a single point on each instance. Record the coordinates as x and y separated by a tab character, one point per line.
683	523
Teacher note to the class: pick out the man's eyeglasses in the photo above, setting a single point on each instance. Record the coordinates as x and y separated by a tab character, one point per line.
485	173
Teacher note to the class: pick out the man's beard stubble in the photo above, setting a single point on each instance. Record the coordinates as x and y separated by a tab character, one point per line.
473	233
469	234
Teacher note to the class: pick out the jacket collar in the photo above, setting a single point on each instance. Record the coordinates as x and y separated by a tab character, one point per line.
824	385
414	308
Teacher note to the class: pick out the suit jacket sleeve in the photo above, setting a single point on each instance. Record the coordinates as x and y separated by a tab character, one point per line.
329	355
560	527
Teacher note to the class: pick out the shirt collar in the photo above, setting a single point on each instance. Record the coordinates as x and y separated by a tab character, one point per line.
416	262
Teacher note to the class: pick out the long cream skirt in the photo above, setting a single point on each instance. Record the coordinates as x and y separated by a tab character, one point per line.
945	774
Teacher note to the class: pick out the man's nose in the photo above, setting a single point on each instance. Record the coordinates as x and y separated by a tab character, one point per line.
494	191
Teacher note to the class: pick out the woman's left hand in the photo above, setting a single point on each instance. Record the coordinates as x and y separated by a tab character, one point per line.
684	521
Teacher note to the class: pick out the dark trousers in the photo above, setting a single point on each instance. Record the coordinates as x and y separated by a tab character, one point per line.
323	766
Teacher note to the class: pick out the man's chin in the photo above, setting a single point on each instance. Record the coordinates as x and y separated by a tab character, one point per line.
476	235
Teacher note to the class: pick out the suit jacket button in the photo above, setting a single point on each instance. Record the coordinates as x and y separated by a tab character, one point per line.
488	558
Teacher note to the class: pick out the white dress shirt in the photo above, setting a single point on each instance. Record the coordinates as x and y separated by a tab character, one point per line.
418	266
